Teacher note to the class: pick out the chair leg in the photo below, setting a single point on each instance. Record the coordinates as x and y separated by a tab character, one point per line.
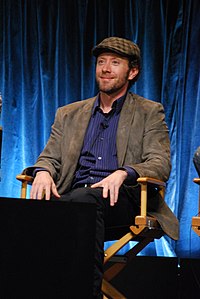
119	263
117	267
110	292
23	189
115	247
196	225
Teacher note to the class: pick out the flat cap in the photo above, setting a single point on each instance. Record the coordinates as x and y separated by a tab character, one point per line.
117	45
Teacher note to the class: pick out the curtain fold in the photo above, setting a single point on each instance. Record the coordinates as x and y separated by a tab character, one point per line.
46	62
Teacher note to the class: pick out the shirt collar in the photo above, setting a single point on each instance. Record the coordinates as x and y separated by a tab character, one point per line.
117	105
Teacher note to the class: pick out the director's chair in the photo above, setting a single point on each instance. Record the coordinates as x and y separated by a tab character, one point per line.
144	231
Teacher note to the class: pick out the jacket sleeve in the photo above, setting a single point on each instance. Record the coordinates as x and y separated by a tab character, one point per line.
153	148
50	158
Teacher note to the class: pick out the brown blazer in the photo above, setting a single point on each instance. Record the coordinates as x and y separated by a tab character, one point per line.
142	143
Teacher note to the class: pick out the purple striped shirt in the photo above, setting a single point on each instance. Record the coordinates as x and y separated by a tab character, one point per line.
98	156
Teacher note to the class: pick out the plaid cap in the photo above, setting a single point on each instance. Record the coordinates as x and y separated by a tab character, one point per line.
118	45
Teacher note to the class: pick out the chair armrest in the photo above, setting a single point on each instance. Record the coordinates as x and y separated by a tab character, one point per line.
25	180
144	182
24	177
196	180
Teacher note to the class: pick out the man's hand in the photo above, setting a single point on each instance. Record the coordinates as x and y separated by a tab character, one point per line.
111	185
43	183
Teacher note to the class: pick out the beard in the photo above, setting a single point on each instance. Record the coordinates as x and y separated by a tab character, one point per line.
112	86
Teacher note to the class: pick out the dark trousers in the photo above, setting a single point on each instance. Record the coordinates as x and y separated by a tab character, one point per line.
121	214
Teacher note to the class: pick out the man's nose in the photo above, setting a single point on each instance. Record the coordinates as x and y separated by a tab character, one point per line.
106	67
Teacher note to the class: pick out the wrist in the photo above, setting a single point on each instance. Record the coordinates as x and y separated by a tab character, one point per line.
40	172
124	172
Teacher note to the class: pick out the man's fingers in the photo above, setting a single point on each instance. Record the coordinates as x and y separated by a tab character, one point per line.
47	194
43	186
109	190
54	191
37	193
105	191
114	192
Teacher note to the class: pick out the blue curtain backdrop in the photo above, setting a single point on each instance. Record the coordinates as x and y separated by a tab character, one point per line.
46	62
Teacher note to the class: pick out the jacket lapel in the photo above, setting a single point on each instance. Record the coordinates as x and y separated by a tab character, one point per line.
124	126
81	119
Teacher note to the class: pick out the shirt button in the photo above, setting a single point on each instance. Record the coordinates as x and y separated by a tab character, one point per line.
99	158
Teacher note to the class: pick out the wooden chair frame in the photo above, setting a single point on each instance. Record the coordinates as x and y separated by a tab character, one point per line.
144	231
196	219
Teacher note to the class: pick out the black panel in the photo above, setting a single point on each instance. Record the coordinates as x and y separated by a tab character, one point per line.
46	249
149	277
190	278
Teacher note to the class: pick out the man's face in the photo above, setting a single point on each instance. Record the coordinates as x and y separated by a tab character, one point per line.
113	73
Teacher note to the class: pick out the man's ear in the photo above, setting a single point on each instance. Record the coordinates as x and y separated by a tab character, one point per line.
133	73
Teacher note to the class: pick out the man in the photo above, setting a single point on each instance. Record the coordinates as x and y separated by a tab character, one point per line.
100	146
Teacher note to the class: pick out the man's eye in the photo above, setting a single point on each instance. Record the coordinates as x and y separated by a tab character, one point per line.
100	61
115	62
